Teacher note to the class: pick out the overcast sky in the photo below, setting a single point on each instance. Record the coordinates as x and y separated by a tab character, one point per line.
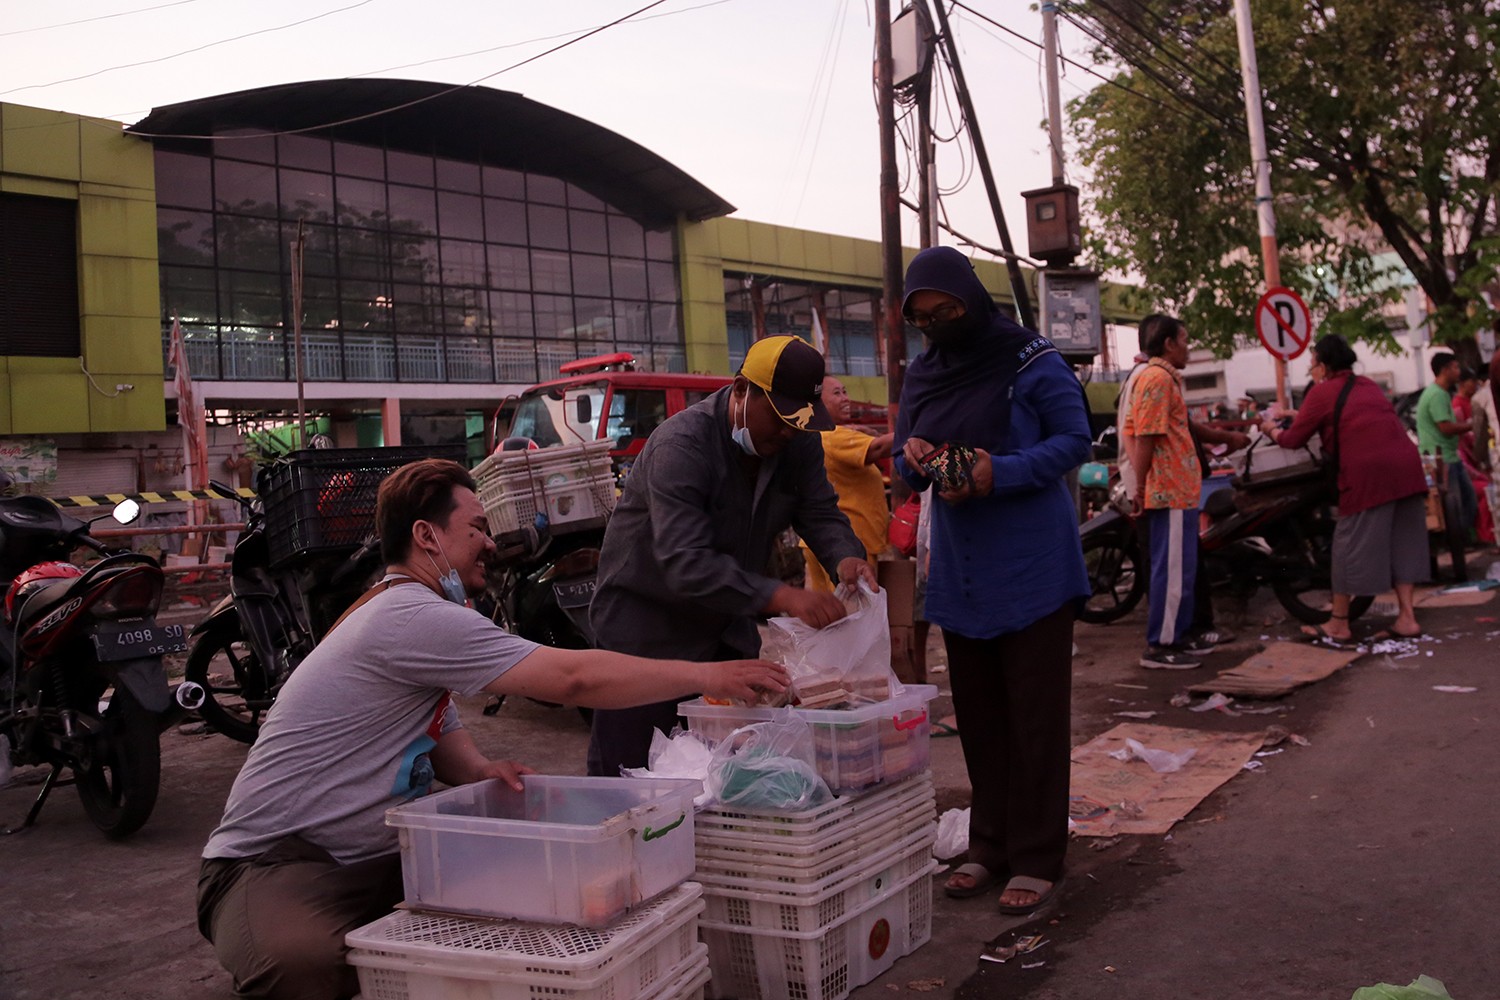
767	102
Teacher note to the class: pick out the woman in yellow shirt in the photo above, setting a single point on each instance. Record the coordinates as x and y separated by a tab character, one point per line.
849	456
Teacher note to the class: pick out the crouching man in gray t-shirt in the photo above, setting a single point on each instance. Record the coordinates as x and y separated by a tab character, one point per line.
302	855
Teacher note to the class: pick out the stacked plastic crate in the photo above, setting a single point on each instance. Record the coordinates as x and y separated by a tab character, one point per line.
573	889
572	486
812	904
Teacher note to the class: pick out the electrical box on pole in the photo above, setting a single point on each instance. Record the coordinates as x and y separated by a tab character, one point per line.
912	39
1053	233
1071	316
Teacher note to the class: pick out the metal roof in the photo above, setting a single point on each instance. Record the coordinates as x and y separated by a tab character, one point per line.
501	128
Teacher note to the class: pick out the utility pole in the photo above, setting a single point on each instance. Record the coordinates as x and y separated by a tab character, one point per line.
1054	99
1265	209
1017	282
893	332
299	248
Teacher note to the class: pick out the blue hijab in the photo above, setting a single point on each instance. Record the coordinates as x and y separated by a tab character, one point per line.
960	392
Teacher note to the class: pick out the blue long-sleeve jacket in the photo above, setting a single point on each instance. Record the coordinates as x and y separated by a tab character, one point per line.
1003	561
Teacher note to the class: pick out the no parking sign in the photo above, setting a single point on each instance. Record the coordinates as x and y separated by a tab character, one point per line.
1283	322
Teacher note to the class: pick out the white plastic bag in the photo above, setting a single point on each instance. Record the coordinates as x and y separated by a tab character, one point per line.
952	834
854	651
683	754
768	766
1161	761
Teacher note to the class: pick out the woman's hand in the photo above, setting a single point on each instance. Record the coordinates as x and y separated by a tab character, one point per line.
915	451
981	480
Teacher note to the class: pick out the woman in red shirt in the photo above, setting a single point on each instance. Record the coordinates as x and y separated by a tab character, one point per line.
1381	538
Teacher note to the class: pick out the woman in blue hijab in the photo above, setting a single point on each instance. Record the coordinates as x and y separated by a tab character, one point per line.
994	417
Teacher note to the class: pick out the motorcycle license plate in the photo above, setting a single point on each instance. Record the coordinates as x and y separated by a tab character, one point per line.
131	641
574	594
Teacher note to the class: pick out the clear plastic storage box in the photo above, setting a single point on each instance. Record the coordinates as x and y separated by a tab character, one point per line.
563	850
856	747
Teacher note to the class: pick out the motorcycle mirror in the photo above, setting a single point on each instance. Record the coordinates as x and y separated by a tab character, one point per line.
126	511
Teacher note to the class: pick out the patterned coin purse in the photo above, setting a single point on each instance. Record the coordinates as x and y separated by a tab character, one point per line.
950	466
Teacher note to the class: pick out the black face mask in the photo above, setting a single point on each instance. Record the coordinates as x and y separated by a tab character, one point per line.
953	332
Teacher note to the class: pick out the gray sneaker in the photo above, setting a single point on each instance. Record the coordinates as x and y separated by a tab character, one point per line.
1167	658
1202	643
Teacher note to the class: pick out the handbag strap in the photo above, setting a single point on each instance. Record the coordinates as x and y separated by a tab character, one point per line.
1338	411
366	597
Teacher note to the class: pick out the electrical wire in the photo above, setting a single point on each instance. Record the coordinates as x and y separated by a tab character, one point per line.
1111	81
822	86
184	52
407	104
90	20
529	41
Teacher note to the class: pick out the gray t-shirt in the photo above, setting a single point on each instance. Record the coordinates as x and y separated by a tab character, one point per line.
349	735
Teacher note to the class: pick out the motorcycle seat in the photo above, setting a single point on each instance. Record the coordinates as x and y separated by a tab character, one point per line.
41	600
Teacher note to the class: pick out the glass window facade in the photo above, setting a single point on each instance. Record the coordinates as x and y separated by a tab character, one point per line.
415	267
776	306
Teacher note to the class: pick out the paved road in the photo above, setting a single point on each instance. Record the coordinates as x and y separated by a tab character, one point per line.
1362	857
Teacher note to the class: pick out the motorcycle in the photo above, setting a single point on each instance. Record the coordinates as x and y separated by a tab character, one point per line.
247	647
540	589
82	685
1281	536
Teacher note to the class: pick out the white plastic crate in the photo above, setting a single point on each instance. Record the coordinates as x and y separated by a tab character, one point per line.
568	484
855	747
413	955
563	850
795	888
828	962
690	984
565	504
810	826
727	833
552	466
789	906
714	863
844	843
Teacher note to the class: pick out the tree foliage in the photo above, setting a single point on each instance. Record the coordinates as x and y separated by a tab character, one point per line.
1383	127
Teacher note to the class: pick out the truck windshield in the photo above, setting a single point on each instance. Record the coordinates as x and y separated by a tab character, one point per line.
633	414
560	416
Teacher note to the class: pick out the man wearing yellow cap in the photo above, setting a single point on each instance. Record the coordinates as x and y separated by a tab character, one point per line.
682	571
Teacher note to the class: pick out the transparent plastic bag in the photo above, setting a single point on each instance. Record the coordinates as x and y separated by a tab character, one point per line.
848	661
768	766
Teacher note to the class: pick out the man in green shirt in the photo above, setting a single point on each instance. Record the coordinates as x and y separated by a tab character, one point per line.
1438	432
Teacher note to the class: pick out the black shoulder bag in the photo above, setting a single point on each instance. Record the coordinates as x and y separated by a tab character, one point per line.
1331	460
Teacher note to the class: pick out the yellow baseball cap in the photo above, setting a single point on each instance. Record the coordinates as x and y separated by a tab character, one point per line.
790	370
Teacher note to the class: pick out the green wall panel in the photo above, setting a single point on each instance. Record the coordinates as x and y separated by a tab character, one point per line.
49	404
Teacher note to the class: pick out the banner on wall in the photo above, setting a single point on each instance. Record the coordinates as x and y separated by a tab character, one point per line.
31	463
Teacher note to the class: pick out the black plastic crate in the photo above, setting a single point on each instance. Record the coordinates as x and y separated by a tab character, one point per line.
323	500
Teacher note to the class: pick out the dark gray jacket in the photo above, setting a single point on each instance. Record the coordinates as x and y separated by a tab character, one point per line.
682	570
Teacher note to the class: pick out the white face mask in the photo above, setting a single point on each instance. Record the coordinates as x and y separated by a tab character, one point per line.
741	434
453	587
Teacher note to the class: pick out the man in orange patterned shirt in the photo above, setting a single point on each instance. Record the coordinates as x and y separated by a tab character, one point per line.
1168	482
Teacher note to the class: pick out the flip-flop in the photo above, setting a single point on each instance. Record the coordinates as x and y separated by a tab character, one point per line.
1390	633
1314	635
940	729
1046	892
984	881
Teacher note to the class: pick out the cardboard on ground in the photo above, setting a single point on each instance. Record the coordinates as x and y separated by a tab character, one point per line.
1278	669
1110	796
